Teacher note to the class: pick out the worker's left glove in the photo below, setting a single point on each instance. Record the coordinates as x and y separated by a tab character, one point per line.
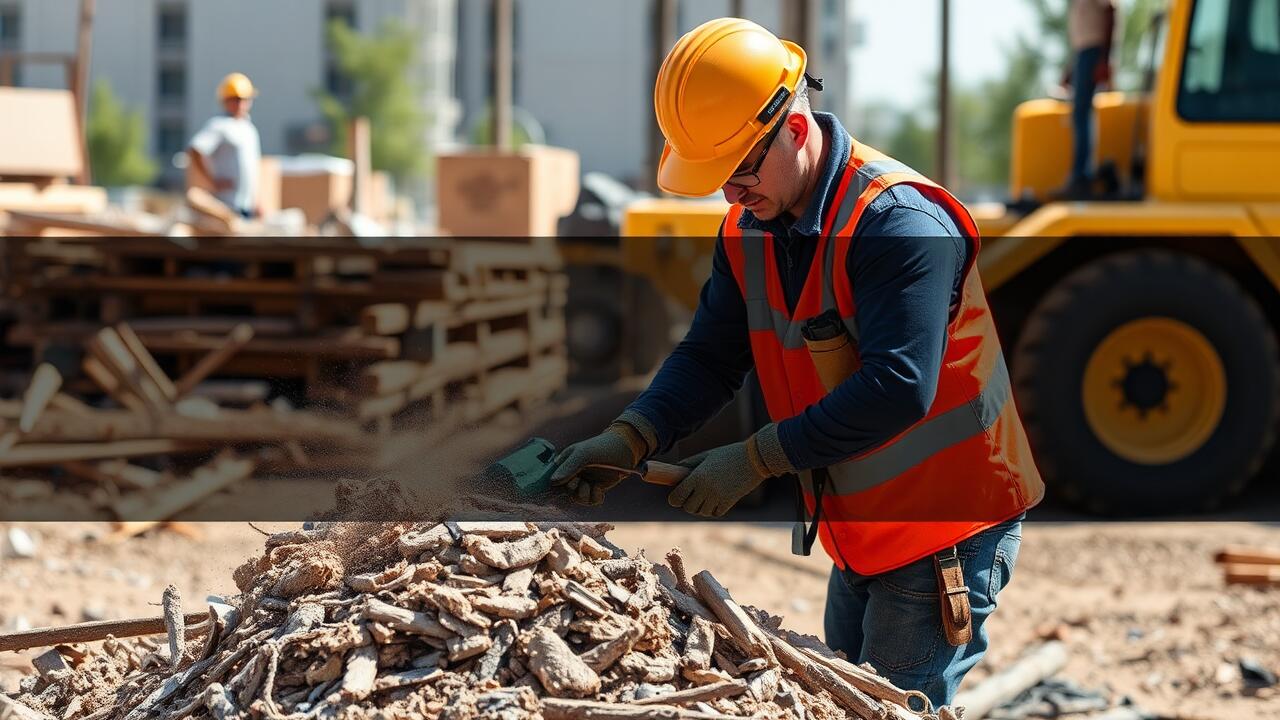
723	476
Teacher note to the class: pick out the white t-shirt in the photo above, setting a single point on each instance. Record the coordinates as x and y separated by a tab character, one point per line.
234	153
1087	23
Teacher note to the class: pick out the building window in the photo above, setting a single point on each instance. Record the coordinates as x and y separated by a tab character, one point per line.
10	26
336	82
171	83
10	40
171	137
171	25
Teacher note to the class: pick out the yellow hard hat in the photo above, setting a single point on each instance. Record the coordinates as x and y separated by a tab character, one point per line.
236	85
717	94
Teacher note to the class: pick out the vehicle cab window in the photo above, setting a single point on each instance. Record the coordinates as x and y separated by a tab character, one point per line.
1231	72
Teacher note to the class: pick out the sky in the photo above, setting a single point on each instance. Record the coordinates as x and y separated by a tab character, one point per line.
900	38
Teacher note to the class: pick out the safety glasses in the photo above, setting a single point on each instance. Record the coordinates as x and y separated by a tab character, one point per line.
750	177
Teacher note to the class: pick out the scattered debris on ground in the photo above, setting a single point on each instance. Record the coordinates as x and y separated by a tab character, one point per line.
463	620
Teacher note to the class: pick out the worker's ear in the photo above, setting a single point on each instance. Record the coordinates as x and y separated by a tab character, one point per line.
798	127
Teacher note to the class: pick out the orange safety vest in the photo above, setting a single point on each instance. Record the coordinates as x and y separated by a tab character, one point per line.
965	466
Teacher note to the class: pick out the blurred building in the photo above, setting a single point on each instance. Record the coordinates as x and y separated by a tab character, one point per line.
584	68
165	58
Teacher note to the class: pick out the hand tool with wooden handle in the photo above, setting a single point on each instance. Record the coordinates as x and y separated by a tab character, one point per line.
530	467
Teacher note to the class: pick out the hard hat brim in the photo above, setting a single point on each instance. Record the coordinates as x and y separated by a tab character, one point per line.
695	179
690	178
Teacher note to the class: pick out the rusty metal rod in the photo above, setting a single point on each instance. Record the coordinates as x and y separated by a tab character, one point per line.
93	631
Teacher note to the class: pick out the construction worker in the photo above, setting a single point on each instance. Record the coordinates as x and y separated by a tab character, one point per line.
226	153
916	465
1090	27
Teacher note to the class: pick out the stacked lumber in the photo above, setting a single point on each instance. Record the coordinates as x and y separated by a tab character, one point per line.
1242	565
374	328
157	416
460	620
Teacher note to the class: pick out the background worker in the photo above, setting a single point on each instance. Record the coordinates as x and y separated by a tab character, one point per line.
226	153
1090	27
917	453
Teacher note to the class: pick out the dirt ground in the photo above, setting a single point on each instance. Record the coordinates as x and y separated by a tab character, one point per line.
1141	607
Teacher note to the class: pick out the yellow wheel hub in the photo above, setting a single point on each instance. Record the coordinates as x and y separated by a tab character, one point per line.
1154	390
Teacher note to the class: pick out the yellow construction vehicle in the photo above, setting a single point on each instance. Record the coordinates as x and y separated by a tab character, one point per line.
1141	326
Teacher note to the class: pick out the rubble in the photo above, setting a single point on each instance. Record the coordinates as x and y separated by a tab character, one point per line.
545	621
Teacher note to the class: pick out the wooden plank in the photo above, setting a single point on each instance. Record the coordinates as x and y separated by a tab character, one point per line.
457	362
1248	555
44	384
99	474
397	318
228	426
147	362
239	337
1251	574
1027	671
111	385
218	475
36	454
89	632
110	350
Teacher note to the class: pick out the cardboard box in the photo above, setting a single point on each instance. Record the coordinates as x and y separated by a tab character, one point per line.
522	194
315	194
39	133
269	186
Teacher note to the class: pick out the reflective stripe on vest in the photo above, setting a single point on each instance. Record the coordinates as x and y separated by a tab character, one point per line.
926	439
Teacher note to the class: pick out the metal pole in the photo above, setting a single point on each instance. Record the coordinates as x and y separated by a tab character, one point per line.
80	91
664	37
944	98
737	8
797	26
503	42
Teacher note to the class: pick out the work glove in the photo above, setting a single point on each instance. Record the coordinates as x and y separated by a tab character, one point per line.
723	476
620	445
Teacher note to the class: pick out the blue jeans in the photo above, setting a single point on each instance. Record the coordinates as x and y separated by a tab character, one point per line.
1082	112
894	620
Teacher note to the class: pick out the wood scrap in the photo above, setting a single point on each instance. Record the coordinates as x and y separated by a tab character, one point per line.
1033	666
209	364
219	474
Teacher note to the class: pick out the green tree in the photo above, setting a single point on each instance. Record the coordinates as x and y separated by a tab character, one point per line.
379	67
117	141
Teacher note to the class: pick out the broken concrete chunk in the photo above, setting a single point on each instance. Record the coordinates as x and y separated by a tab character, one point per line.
603	656
448	599
405	620
461	648
698	646
506	606
588	546
499	530
414	543
509	555
388	579
561	672
517	583
562	557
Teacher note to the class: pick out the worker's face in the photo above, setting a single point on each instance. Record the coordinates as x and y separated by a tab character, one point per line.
237	107
779	184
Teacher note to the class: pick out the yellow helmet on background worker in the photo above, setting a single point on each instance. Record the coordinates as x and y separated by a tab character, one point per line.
236	85
717	94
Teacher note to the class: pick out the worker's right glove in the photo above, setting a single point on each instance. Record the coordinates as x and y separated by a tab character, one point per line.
620	445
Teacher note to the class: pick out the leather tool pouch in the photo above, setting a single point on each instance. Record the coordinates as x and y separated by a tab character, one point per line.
953	594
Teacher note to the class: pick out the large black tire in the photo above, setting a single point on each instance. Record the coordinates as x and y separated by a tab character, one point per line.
1069	325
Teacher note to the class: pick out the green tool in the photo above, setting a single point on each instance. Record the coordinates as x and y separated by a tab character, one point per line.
530	467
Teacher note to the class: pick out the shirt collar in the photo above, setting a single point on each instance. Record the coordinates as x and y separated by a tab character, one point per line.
810	223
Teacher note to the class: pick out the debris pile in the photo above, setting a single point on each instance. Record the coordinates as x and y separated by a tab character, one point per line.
462	620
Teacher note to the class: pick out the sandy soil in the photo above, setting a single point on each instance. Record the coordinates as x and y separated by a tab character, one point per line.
1141	606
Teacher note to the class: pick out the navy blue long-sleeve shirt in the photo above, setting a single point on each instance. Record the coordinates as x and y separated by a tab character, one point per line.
906	264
